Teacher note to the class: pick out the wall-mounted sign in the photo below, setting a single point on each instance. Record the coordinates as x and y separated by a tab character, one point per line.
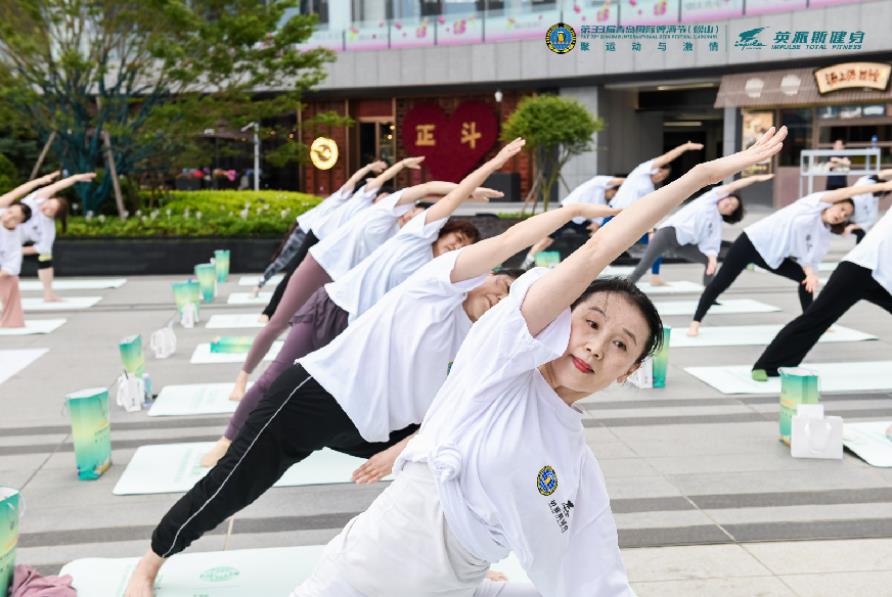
324	153
872	75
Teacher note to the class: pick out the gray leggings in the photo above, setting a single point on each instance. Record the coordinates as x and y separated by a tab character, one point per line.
665	241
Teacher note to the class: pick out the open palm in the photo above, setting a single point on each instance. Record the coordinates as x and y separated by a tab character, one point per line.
768	144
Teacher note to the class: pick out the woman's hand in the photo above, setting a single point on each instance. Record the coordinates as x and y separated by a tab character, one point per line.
48	178
508	152
711	265
484	194
768	144
413	163
377	166
811	283
377	467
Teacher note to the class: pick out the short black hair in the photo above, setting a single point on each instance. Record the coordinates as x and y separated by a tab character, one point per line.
424	204
463	227
385	188
841	227
26	211
512	272
736	215
627	288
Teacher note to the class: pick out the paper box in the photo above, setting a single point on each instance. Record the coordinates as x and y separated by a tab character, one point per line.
798	386
10	506
90	431
207	281
132	356
812	435
186	293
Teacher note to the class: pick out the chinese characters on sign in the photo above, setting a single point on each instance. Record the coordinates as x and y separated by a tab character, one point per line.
665	38
853	74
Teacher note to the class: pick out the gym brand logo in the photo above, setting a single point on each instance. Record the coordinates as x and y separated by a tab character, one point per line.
546	481
560	38
219	574
748	40
561	513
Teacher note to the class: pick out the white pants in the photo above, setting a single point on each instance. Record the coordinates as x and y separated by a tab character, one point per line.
402	547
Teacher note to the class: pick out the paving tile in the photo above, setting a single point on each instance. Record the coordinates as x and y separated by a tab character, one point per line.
804	557
841	584
691	562
761	586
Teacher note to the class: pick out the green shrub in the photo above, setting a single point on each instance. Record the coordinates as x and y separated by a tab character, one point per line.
203	213
8	174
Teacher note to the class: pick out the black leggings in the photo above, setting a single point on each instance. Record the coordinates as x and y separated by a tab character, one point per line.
740	255
296	418
289	268
848	284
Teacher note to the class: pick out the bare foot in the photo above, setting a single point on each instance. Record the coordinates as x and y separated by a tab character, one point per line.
694	329
216	453
496	576
52	298
255	292
656	281
264	318
240	387
142	580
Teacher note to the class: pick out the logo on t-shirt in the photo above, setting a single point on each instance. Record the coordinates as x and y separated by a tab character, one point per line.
546	481
561	515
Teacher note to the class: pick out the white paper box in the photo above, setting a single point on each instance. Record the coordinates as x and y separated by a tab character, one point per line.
815	436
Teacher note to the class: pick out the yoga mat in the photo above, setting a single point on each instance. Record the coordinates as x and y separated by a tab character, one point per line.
864	376
174	468
754	335
616	271
13	361
34	326
726	307
204	356
75	284
194	399
270	571
246	298
869	442
824	266
69	303
235	320
671	288
255	280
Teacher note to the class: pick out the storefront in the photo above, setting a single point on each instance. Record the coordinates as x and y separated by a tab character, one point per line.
847	101
455	133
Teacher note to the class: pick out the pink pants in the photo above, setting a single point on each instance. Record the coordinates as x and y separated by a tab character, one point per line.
11	298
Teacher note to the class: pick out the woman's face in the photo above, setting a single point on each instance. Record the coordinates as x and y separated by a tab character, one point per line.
487	295
728	205
50	207
12	217
450	241
837	213
607	335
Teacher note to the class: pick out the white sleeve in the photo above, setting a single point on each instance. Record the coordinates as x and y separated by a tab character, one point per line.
44	245
11	252
500	346
711	245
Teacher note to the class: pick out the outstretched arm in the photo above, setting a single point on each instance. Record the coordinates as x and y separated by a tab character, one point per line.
557	290
849	192
378	181
50	190
23	190
669	156
615	182
377	167
438	189
742	183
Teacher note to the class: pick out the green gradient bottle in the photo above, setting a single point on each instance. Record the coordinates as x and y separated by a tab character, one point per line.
231	344
132	356
221	264
547	258
798	386
207	280
90	431
661	360
10	506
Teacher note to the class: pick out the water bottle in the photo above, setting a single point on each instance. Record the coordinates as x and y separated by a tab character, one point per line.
147	383
873	140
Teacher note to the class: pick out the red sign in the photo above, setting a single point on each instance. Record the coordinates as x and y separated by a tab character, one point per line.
452	145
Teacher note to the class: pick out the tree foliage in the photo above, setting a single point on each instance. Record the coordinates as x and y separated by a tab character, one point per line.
555	130
153	74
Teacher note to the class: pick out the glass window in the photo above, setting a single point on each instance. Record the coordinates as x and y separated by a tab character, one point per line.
798	122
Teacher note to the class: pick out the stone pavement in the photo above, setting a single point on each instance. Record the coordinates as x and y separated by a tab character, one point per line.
706	499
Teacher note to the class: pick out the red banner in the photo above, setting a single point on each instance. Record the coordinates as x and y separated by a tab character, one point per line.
452	145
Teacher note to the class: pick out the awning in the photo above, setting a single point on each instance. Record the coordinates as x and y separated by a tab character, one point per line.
788	87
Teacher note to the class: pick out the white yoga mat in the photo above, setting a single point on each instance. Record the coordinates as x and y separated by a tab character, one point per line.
864	376
268	572
255	280
753	335
246	298
671	288
34	326
727	307
620	271
13	361
69	303
234	320
175	468
204	356
193	399
75	284
869	442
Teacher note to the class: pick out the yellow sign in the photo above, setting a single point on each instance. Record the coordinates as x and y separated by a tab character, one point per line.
469	134
425	135
324	153
872	75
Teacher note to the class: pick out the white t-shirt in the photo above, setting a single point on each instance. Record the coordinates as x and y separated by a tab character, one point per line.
307	219
867	206
385	369
350	244
796	231
637	184
591	191
875	252
386	267
39	229
699	223
10	249
342	214
511	462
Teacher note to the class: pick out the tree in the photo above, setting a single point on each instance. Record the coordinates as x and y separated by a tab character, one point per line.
153	74
555	130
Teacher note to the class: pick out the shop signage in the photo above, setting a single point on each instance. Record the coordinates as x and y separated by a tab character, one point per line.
452	145
871	75
324	153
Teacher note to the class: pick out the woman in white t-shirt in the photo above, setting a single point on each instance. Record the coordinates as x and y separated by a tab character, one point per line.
39	233
598	190
694	232
864	274
500	463
790	242
867	206
11	220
